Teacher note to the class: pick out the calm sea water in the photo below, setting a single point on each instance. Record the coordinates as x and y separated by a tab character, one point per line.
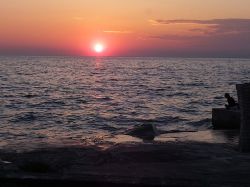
60	100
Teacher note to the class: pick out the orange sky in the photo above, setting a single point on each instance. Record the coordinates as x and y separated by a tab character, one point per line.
127	28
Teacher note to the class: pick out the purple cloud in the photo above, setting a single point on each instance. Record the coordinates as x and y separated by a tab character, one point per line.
214	26
216	36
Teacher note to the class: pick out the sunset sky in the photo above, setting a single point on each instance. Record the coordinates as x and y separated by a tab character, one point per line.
191	28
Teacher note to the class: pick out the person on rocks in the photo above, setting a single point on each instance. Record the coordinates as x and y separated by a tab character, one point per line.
231	102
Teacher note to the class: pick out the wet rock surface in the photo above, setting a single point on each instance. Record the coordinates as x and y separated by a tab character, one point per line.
186	163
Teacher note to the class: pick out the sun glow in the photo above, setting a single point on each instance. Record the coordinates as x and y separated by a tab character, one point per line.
98	48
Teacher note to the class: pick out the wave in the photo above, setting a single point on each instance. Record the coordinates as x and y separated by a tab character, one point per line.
203	122
135	121
24	117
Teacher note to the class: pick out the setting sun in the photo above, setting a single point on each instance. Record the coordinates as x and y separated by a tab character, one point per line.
98	48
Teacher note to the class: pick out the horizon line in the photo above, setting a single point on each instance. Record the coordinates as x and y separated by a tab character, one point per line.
126	56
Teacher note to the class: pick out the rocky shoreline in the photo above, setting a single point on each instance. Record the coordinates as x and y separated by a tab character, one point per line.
155	163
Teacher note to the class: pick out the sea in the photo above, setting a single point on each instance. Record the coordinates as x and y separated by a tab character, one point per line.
57	101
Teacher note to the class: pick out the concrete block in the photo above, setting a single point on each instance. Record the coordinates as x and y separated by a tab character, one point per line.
225	119
243	91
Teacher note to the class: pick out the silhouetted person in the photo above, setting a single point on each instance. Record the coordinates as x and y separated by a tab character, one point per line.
231	102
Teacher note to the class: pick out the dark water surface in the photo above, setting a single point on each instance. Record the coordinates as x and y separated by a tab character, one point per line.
59	100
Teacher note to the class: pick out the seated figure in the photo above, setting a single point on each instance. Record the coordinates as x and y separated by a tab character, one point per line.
231	102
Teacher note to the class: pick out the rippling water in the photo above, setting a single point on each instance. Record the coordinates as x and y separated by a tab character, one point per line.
56	100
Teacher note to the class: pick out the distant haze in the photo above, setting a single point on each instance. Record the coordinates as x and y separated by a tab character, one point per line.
184	28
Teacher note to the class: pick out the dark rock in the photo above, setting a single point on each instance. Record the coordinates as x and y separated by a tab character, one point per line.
145	132
35	167
225	119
